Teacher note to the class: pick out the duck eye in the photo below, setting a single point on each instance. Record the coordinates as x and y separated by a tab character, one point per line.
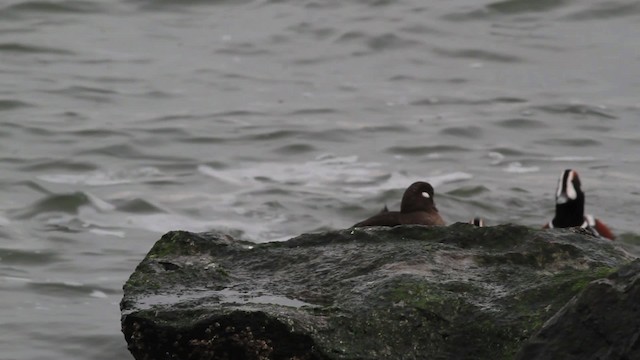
426	194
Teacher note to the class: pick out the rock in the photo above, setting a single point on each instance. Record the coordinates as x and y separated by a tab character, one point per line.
408	292
602	322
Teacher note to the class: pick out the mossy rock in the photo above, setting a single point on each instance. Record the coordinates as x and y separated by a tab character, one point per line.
409	292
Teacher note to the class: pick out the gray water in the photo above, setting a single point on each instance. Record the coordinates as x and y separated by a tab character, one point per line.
124	119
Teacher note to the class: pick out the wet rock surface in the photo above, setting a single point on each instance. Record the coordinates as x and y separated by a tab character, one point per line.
602	322
409	292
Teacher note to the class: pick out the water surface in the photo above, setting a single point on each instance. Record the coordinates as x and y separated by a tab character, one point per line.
124	119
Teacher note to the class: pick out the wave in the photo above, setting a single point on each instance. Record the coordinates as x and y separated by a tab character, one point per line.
49	7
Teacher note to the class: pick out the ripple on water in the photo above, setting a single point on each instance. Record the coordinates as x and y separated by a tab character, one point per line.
243	49
450	100
332	134
524	6
378	42
69	203
66	203
25	49
573	159
66	288
173	5
100	133
315	173
94	94
521	123
471	132
603	10
121	151
128	150
425	150
577	109
61	7
28	257
468	191
295	149
390	41
575	142
31	129
201	139
10	104
478	54
315	59
421	29
508	151
239	113
595	128
386	129
500	9
171	131
137	205
316	111
312	30
53	164
352	36
273	135
428	80
105	178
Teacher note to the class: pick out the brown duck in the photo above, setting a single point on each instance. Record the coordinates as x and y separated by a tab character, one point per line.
417	207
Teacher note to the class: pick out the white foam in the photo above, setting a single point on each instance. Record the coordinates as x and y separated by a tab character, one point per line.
119	234
95	179
105	178
517	168
17	279
319	172
325	176
448	178
60	219
99	203
98	294
328	175
573	158
496	158
221	175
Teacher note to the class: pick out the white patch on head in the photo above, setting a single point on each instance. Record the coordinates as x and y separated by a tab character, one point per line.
571	190
426	194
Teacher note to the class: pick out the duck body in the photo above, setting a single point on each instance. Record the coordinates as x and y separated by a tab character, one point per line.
570	201
417	207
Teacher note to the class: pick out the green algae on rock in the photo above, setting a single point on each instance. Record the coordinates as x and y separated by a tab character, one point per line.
600	323
409	292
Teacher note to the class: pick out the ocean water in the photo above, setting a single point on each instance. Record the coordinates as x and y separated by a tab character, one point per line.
123	119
